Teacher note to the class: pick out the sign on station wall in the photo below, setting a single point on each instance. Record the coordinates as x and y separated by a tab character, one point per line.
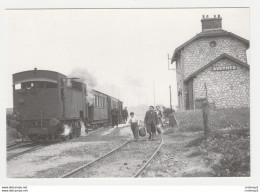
224	68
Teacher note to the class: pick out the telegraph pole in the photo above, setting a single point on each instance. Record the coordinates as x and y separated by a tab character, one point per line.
170	87
153	95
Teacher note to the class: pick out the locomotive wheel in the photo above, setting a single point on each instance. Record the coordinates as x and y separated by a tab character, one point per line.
71	135
75	134
67	137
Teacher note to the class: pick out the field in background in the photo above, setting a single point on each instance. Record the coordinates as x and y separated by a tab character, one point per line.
139	111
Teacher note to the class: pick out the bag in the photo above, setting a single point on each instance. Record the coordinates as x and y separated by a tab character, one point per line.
142	132
159	130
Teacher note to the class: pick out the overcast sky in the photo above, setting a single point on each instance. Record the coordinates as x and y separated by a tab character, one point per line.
125	50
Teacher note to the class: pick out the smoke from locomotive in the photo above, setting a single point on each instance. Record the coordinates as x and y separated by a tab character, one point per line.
88	79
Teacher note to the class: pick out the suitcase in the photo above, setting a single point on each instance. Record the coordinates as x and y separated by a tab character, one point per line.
142	132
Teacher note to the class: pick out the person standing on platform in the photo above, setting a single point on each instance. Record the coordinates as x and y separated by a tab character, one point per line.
125	114
151	122
159	114
115	116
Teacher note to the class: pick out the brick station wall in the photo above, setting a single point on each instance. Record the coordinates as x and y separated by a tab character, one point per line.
199	53
225	89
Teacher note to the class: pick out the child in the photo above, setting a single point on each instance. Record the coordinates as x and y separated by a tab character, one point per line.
134	125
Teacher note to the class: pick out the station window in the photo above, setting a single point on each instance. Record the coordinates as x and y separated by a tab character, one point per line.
213	43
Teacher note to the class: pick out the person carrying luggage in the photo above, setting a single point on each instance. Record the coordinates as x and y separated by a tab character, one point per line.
134	125
151	121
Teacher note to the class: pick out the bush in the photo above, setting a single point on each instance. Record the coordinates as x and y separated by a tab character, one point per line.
167	112
228	155
192	120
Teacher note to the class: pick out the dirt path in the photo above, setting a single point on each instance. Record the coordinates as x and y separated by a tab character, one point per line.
58	159
175	159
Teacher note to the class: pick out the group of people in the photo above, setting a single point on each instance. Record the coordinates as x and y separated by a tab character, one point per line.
152	121
115	115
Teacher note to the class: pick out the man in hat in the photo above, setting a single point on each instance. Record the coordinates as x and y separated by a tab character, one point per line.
151	122
125	114
115	116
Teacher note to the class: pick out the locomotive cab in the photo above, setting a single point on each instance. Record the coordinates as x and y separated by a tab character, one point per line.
44	104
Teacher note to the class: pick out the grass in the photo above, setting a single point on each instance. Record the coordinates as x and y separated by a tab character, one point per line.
191	120
195	142
227	150
194	153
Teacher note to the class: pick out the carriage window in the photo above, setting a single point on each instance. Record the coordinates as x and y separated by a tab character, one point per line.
95	101
37	84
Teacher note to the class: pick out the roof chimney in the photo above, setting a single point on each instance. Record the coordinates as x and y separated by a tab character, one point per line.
211	23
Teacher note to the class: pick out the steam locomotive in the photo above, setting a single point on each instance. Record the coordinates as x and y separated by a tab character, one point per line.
46	102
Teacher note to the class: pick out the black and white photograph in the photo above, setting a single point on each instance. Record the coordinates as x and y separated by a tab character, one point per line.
120	93
128	93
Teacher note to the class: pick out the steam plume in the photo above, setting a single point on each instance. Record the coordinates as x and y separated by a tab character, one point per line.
85	77
67	130
89	79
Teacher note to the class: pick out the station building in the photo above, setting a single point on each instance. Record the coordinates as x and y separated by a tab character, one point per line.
212	65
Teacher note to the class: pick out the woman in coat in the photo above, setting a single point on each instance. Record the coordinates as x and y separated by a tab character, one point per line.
151	121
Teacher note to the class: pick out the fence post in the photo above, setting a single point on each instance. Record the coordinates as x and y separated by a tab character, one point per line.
205	114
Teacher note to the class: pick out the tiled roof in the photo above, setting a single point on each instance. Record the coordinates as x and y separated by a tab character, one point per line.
208	33
224	55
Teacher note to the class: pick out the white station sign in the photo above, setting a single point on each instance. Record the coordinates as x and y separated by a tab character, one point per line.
224	68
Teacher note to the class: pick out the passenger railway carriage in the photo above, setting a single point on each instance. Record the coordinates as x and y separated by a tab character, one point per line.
45	102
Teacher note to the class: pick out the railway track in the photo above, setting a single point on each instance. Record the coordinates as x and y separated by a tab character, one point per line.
87	169
19	145
11	154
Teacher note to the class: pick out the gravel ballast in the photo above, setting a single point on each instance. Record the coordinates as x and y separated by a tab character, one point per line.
57	159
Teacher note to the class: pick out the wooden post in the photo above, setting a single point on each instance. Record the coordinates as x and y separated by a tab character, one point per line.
205	114
170	98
